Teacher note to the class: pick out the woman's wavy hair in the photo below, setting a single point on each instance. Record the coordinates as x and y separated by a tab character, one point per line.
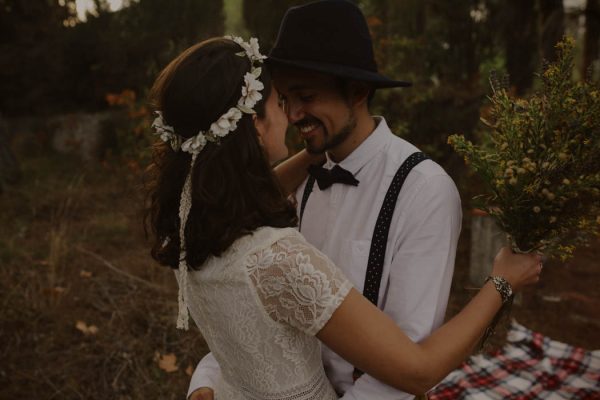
234	190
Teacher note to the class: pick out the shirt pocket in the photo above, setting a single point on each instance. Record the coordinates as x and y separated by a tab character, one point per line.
354	258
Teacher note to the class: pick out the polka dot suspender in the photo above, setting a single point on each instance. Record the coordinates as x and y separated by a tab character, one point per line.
310	183
381	231
382	228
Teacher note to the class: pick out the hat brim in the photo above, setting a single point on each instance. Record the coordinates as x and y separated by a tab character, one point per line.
376	80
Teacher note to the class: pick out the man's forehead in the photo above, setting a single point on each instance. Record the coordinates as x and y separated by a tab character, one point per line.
294	79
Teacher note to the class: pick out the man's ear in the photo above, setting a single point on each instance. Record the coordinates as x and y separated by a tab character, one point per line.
259	127
359	93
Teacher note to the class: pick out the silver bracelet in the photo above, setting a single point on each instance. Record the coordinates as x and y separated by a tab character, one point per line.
502	286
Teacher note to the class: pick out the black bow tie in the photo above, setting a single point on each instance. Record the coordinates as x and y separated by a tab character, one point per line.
327	177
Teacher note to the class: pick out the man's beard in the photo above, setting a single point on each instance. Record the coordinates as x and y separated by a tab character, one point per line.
331	141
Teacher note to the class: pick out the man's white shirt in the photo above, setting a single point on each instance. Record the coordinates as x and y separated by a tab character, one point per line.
421	247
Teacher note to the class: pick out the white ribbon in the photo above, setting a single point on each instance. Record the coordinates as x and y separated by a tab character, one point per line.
185	204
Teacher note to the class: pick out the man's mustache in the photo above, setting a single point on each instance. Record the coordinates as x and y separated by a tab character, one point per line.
306	122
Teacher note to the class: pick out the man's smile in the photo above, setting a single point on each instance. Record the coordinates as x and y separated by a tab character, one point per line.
308	128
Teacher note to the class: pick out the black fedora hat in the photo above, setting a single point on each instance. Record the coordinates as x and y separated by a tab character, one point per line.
329	36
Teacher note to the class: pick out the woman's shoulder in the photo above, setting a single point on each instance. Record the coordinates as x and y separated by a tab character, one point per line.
263	238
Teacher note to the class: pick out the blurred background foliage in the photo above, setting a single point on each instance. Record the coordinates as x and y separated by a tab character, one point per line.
72	249
53	62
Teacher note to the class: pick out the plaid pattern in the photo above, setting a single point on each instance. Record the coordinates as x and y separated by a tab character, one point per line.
530	366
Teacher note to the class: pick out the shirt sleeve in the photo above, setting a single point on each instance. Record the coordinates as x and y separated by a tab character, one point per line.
296	284
421	271
206	374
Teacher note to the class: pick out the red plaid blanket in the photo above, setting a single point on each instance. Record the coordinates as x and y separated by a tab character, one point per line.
529	366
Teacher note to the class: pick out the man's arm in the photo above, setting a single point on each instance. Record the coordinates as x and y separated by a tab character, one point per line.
293	171
205	375
420	272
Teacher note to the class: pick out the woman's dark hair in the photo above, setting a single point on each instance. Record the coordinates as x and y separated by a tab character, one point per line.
234	191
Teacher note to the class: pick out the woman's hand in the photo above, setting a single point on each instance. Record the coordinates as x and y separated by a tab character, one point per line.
518	269
203	393
293	171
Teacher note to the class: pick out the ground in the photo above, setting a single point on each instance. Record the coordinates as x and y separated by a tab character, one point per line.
86	313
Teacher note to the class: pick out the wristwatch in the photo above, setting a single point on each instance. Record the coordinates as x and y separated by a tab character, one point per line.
502	286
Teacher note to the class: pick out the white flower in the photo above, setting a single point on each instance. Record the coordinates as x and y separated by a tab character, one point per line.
175	142
251	90
252	50
194	144
165	132
227	123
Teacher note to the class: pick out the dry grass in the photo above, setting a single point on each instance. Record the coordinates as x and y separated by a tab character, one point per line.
72	249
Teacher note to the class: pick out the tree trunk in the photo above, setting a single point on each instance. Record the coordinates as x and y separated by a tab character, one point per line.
592	35
520	41
9	167
552	15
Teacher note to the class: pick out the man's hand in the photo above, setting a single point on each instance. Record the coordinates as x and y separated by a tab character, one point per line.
203	393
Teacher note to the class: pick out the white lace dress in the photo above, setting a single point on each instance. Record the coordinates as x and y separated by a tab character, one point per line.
259	306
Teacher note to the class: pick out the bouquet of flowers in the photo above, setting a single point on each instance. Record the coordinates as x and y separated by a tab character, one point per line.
541	161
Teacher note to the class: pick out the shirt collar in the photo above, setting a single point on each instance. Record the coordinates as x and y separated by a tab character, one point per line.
367	150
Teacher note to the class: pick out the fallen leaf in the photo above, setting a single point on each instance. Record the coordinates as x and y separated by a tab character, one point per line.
85	329
167	362
92	329
85	274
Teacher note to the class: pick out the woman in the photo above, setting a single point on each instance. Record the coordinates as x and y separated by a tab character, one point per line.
260	294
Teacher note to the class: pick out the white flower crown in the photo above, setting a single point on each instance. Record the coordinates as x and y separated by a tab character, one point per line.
228	121
194	145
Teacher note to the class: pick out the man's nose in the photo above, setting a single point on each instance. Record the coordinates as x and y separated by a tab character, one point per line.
295	112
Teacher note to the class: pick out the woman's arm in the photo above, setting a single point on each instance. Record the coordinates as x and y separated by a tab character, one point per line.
292	172
371	341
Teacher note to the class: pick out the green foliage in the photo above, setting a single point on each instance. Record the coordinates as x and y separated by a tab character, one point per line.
135	138
47	65
263	17
541	160
31	59
439	47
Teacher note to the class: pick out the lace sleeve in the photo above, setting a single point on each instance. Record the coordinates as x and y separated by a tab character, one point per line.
297	284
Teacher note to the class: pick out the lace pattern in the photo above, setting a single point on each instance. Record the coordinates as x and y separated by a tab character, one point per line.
259	306
297	284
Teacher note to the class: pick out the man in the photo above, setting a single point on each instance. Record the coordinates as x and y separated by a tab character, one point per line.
389	218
